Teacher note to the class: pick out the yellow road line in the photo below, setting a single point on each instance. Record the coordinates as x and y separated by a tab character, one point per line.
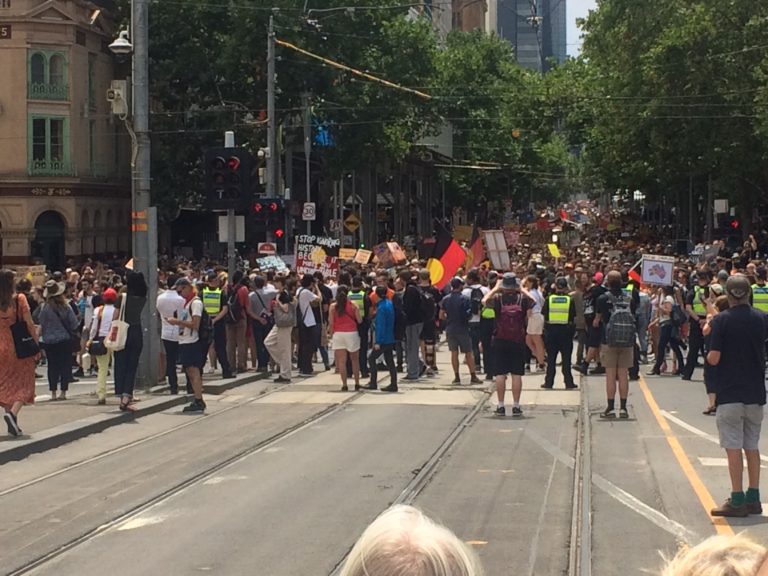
720	524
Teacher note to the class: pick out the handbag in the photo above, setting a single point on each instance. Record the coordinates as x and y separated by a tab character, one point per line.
96	346
23	342
285	319
265	315
118	331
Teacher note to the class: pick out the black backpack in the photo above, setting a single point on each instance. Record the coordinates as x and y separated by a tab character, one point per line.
234	308
205	330
401	319
428	306
476	301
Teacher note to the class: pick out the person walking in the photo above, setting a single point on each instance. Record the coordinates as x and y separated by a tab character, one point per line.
343	321
696	309
191	348
17	375
414	323
430	301
170	305
513	310
559	313
278	341
475	291
134	298
101	321
737	348
456	312
668	333
57	324
616	317
384	341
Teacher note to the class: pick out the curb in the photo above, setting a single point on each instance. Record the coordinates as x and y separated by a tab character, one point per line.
71	431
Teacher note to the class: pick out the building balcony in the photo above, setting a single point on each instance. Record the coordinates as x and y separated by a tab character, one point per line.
37	91
51	168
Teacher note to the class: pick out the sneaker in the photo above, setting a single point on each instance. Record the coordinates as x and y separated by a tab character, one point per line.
389	388
546	386
423	370
475	380
500	411
488	378
13	427
456	381
517	412
608	414
754	507
229	376
634	377
571	387
195	406
580	368
281	380
79	373
370	387
729	510
623	413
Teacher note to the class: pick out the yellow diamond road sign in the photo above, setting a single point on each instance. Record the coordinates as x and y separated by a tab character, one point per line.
352	223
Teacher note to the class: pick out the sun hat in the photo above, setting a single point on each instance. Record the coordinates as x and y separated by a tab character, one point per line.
53	288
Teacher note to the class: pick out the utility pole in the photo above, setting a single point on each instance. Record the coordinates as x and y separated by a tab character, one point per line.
141	228
307	150
271	156
229	142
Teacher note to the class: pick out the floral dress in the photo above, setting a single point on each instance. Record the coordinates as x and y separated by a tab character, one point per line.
17	377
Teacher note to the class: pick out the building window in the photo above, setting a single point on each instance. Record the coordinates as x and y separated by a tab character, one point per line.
49	147
47	76
80	37
92	82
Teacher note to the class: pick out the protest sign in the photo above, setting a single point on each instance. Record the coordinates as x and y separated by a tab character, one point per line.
347	253
272	263
363	256
554	250
317	254
658	270
496	247
389	254
35	274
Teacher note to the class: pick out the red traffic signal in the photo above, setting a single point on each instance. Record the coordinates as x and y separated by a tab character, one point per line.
257	207
279	233
735	224
273	207
234	163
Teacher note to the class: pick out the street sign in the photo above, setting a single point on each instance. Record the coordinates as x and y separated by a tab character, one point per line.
335	225
352	222
239	229
267	248
308	212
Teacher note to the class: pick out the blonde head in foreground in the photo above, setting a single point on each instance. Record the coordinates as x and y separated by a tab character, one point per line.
404	542
719	556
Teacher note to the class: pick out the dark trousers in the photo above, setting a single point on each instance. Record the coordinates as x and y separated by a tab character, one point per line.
581	339
127	362
220	346
387	350
171	357
695	346
364	330
309	339
399	354
260	332
475	336
59	365
558	341
666	339
634	372
486	339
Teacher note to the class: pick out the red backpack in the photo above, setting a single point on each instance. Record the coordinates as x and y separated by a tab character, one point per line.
510	319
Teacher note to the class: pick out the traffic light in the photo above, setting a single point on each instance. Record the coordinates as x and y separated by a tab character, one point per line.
271	211
227	178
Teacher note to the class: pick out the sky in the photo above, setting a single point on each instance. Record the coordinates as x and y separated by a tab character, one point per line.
576	9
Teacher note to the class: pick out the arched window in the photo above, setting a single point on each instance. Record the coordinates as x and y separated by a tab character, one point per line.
37	68
56	68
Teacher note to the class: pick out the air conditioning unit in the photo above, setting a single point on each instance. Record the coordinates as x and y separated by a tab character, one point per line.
117	96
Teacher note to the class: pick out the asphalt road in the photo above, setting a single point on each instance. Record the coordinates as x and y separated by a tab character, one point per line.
215	494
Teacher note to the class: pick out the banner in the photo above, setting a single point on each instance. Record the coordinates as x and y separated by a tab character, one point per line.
35	274
658	270
389	254
317	254
272	263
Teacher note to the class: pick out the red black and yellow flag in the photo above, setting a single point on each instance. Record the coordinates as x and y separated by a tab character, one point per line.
446	259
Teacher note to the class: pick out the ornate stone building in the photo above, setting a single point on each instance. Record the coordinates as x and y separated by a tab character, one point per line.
64	172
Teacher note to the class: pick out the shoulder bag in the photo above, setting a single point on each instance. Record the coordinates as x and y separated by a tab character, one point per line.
74	337
97	347
118	331
23	342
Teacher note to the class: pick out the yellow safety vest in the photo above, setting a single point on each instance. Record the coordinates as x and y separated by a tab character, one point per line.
760	297
698	306
628	289
358	299
559	308
212	301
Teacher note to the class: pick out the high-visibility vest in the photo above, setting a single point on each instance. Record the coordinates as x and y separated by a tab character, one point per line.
559	308
212	301
628	289
760	297
358	299
698	306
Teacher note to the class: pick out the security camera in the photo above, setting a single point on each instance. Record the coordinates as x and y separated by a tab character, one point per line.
112	95
122	45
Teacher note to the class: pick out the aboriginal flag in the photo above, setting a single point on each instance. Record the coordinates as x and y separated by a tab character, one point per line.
633	272
476	248
446	259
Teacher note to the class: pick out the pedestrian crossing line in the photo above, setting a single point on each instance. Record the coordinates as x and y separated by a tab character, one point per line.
705	498
706	461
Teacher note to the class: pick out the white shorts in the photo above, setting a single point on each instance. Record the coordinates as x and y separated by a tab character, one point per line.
536	324
349	341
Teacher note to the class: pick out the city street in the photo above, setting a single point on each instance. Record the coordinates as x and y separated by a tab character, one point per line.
281	481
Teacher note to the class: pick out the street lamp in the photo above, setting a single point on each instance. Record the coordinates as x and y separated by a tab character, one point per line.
143	218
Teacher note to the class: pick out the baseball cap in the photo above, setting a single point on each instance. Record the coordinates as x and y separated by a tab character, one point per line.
509	281
109	295
181	283
722	275
598	277
737	286
561	283
456	283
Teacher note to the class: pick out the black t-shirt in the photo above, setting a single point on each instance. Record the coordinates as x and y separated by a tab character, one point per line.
590	300
739	335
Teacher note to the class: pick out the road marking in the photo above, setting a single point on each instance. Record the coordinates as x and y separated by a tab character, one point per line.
219	479
476	542
141	522
635	504
705	498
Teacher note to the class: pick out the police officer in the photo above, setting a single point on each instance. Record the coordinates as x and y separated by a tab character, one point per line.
358	296
760	290
487	325
696	307
559	329
215	304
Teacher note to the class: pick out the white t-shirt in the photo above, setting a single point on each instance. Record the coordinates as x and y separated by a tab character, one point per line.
88	309
467	292
192	309
170	305
305	312
106	321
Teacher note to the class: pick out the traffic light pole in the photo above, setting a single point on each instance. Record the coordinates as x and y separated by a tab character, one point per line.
307	151
229	142
271	115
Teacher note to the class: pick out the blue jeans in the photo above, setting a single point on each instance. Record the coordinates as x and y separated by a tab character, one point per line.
412	339
127	362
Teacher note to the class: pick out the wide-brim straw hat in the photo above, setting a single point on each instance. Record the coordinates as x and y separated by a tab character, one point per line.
53	288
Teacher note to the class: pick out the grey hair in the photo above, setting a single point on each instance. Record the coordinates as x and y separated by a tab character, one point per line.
403	541
718	556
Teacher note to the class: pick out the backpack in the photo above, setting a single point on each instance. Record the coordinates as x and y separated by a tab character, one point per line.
678	316
620	331
235	308
205	330
510	320
476	301
428	306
